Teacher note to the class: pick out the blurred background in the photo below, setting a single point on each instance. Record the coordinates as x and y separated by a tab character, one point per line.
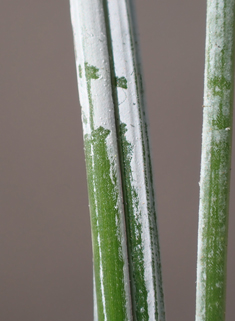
45	242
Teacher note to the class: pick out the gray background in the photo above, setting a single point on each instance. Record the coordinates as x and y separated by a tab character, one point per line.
45	246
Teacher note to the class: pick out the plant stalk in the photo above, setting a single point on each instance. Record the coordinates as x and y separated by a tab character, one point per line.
102	162
138	191
127	266
215	161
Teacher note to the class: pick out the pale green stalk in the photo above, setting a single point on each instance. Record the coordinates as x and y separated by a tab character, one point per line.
140	212
118	163
215	162
102	161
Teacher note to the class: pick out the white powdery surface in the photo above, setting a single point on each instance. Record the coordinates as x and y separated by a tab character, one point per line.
131	116
96	100
218	69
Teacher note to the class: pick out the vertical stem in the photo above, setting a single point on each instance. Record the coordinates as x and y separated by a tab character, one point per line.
139	202
102	162
121	194
215	161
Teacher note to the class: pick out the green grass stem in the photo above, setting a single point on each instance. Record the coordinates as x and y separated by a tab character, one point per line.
102	162
215	161
127	266
139	200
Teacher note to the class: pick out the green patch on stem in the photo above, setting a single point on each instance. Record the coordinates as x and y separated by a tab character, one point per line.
222	121
121	82
134	230
107	239
218	85
91	72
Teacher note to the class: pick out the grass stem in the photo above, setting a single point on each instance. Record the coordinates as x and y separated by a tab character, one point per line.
215	161
127	266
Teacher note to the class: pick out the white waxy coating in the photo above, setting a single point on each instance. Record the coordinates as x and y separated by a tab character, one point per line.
91	47
130	114
219	46
91	50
